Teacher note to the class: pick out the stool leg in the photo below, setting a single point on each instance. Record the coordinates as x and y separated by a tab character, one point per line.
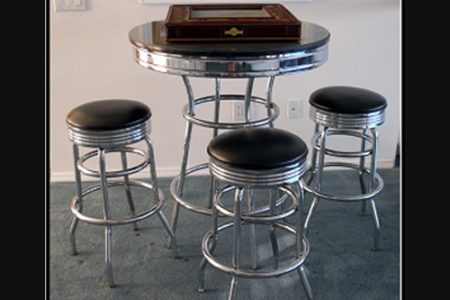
127	189
236	259
272	234
306	285
321	159
373	171
161	215
214	218
361	173
251	206
106	215
299	238
187	142
75	220
313	157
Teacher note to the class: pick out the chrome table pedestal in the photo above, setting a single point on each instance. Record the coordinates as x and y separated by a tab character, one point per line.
224	60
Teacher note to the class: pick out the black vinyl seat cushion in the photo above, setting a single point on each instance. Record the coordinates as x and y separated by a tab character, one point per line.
257	148
347	100
108	114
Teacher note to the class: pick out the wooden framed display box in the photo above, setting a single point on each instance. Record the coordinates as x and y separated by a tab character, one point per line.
230	22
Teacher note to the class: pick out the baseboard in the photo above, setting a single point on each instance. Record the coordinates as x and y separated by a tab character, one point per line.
173	171
160	172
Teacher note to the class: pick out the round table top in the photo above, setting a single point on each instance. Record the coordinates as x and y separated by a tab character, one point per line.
229	59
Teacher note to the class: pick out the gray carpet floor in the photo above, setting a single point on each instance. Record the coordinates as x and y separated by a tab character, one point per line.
340	265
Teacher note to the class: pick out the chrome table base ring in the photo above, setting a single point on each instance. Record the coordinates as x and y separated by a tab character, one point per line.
108	144
359	129
266	216
188	112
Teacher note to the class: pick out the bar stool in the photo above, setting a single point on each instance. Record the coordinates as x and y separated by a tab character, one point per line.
346	111
111	126
249	159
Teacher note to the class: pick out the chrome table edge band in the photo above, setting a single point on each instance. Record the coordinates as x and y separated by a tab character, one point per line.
348	121
258	178
235	67
109	138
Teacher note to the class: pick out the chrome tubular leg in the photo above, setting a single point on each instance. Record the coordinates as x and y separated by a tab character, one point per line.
106	215
169	230
272	234
305	282
127	188
248	98
269	99
216	105
156	199
299	229
299	237
201	278
373	170
376	221
236	259
233	288
214	183
313	157
323	142
308	217
361	173
75	220
251	206
187	141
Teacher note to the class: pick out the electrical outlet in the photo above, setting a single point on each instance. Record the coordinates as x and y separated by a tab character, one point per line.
66	5
238	111
294	109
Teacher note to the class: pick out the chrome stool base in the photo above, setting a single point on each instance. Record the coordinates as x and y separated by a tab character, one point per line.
77	205
315	174
254	217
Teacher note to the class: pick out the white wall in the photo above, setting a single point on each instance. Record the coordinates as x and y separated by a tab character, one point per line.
91	58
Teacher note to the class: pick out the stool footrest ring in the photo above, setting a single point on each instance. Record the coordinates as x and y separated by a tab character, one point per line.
112	222
337	153
255	274
223	125
129	171
205	210
252	216
189	206
348	198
